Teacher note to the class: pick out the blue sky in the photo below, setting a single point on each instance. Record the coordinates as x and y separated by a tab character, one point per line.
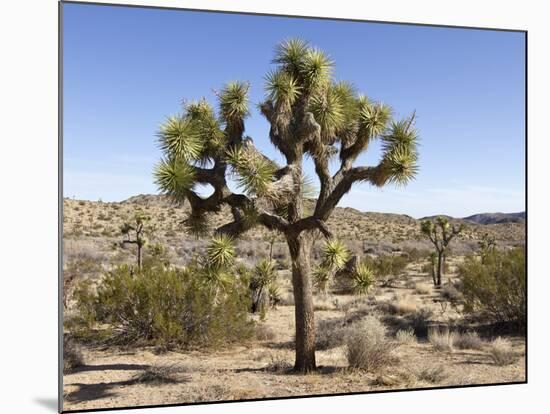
126	69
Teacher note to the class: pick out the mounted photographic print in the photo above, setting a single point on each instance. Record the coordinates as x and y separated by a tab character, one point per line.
260	207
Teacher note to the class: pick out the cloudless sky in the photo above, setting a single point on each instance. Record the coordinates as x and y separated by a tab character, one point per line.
126	69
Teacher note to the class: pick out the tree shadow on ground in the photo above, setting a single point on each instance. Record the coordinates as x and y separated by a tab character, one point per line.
110	367
96	391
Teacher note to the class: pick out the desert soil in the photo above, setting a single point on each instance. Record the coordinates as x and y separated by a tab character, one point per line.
260	368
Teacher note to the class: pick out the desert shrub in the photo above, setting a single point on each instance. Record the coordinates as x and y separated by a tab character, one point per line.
403	305
422	288
330	333
72	355
468	340
367	345
496	287
433	374
265	333
450	292
164	306
405	336
387	267
442	340
414	254
500	351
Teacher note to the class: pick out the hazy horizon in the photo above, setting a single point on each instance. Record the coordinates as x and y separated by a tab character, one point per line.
126	69
339	206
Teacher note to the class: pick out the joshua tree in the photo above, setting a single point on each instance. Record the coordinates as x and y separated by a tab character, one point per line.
263	277
440	232
487	245
309	115
137	227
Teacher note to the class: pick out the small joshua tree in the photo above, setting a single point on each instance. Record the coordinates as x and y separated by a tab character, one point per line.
261	282
441	233
310	115
487	245
137	227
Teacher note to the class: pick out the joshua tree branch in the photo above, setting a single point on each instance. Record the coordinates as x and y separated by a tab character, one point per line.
311	223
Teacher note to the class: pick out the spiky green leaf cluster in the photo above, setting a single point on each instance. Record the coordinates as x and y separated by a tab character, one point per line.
263	274
282	87
329	111
373	118
216	277
173	177
400	161
362	277
203	120
234	101
179	138
220	252
197	225
335	254
254	173
426	227
311	68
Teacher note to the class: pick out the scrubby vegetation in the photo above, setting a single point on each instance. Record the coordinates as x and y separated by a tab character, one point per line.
205	303
496	285
368	346
169	307
501	352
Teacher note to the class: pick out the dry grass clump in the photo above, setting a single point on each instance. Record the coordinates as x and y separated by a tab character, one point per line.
207	392
450	292
403	305
433	374
468	340
405	336
423	288
330	333
367	345
265	333
161	374
442	339
72	355
500	351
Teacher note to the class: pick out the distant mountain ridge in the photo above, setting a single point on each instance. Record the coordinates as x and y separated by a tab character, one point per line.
480	218
497	218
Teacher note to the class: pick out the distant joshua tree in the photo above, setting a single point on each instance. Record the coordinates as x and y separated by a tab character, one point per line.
137	227
441	233
487	245
310	115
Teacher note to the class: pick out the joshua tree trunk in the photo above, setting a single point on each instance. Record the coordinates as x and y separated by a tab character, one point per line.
139	256
440	266
300	249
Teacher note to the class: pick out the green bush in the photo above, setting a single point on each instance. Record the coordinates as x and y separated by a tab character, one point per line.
387	267
496	287
167	307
